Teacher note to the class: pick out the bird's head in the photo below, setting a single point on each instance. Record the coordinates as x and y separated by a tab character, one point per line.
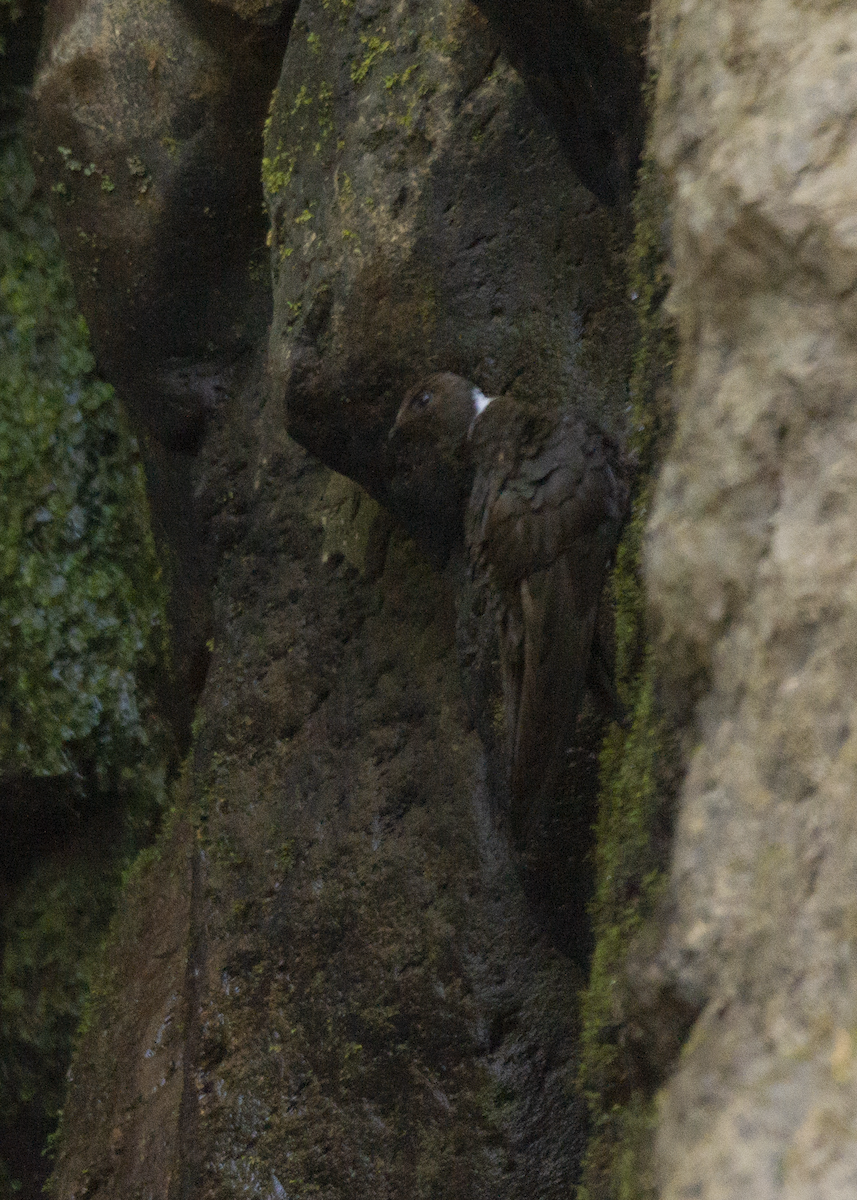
441	410
431	471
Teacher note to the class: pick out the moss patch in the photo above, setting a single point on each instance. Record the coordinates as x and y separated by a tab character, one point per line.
82	634
81	606
50	932
638	768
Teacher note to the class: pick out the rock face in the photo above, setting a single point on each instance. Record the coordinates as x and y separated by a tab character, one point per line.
752	570
401	155
323	980
340	987
583	65
424	217
144	132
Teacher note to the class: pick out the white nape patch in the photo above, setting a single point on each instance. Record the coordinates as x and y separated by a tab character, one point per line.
480	400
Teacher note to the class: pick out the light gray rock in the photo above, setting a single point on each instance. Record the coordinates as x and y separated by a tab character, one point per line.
751	563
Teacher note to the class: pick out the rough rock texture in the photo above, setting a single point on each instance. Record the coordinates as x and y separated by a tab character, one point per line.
753	575
325	978
326	981
424	217
583	64
145	133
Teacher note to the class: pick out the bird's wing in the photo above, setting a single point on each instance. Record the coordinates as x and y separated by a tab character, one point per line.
550	669
545	527
564	498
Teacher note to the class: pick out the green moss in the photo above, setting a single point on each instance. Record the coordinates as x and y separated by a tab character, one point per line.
70	164
286	855
375	48
277	167
277	170
81	604
345	191
325	113
629	882
638	765
50	933
340	7
302	98
400	78
81	629
75	166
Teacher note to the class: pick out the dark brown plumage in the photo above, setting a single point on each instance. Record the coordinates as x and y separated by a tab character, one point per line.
433	471
547	498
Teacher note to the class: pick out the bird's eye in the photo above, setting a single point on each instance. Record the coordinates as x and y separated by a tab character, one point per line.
421	400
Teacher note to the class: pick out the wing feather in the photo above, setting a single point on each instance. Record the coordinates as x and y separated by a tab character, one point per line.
544	526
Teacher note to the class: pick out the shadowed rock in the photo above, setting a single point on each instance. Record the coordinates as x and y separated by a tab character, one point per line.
144	134
584	67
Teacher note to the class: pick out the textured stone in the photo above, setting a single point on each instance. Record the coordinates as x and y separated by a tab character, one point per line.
583	64
361	1002
424	217
144	133
752	570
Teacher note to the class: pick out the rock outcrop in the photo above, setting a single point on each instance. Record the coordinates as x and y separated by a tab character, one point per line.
325	977
145	134
401	156
752	573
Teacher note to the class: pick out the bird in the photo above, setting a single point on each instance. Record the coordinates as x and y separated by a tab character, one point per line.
541	497
433	471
